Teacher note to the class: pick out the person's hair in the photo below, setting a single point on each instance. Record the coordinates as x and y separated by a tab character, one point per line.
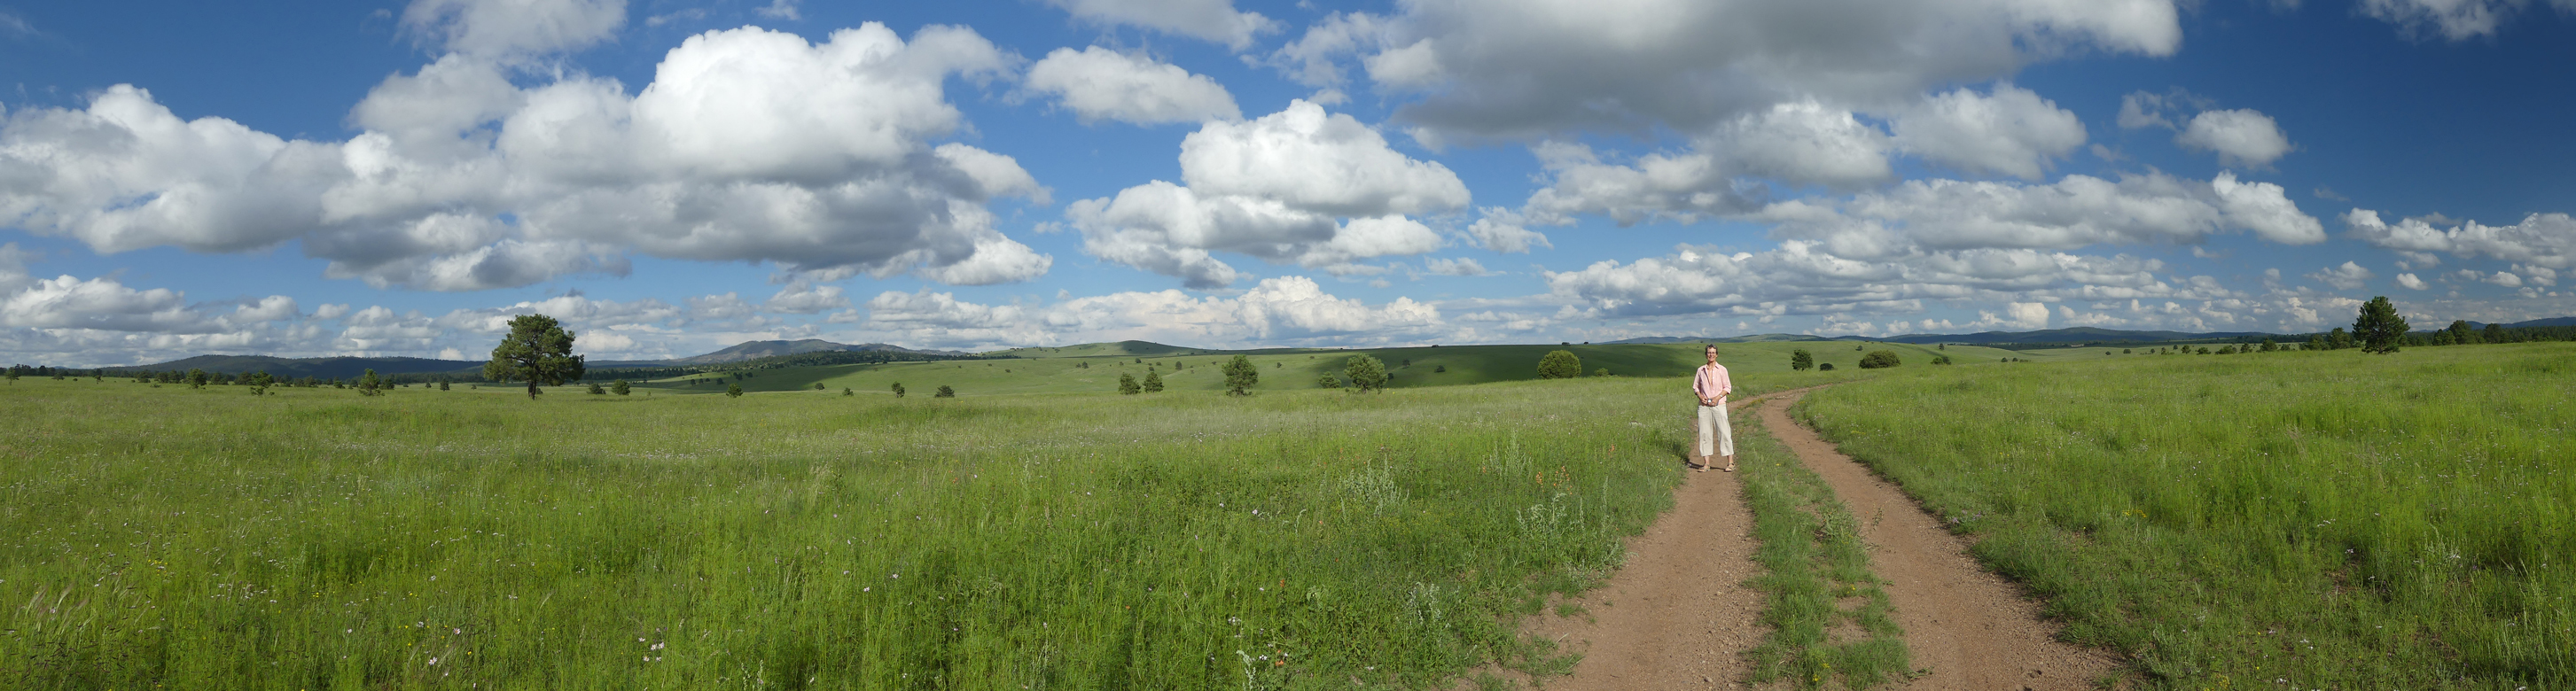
1709	347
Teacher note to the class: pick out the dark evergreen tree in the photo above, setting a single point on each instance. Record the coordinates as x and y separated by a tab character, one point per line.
1240	375
2379	329
538	351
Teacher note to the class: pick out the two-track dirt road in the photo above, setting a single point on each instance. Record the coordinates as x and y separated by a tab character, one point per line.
1678	615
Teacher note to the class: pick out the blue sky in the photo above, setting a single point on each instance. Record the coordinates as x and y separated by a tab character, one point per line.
400	178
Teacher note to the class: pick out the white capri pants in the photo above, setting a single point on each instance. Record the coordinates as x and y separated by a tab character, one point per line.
1715	438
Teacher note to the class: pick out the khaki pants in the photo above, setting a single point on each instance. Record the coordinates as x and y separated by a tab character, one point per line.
1715	438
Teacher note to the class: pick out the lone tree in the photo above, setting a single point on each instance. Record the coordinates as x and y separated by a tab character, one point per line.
1801	360
1240	374
1153	381
597	390
1877	359
898	389
197	378
1560	364
370	385
1127	384
1365	373
537	351
2378	328
733	390
620	388
945	392
259	382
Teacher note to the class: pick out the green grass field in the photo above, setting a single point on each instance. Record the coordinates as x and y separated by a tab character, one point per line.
2328	520
163	537
1085	370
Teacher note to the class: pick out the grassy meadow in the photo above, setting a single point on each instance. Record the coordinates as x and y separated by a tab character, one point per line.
2326	520
1095	368
164	537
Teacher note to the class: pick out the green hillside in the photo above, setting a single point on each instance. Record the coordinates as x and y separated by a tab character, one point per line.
1087	369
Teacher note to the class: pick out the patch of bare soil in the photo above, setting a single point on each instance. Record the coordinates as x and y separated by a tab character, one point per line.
1971	628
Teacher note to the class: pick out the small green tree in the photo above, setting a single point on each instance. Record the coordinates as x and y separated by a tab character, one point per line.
620	387
370	385
597	390
197	378
1559	364
1153	381
1801	360
1940	359
1437	369
733	390
945	392
846	392
1240	375
538	351
1826	367
1365	373
2378	327
1328	381
2494	333
259	382
442	385
1127	384
1878	359
898	389
2339	339
2460	333
818	386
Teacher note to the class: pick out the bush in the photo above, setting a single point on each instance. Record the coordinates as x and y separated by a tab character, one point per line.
944	392
1560	364
1153	381
597	390
1436	369
1603	372
1878	359
1940	359
1827	367
1127	384
846	392
733	390
1365	373
620	387
898	389
818	386
1801	360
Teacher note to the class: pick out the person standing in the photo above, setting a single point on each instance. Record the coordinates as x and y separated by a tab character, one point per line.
1711	385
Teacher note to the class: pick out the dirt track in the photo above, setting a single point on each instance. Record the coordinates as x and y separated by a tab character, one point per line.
1679	616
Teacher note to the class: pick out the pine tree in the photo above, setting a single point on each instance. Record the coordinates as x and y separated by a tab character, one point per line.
1153	381
2378	327
1240	375
538	351
1127	384
733	390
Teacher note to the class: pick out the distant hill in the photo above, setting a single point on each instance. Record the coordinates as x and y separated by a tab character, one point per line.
754	350
1120	349
2080	334
323	367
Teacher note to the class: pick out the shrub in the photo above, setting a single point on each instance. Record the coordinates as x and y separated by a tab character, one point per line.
258	382
597	390
1560	364
1801	360
619	387
945	392
1940	359
1436	369
733	390
818	386
846	392
1328	381
1153	381
898	389
1827	367
1127	384
1877	359
1602	372
1365	373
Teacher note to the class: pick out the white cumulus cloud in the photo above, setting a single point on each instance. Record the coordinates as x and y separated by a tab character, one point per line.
2010	131
2241	137
514	28
2350	276
1209	20
1101	84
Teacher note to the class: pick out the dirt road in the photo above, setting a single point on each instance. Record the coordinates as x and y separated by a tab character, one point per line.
1678	616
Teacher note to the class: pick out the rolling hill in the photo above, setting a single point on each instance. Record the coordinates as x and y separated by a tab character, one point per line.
322	367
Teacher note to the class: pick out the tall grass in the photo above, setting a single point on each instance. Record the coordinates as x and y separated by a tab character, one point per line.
1830	622
164	537
2301	520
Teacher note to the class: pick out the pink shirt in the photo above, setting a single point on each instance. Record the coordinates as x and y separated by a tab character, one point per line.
1712	383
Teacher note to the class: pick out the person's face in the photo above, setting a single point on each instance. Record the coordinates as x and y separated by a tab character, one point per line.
1712	355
